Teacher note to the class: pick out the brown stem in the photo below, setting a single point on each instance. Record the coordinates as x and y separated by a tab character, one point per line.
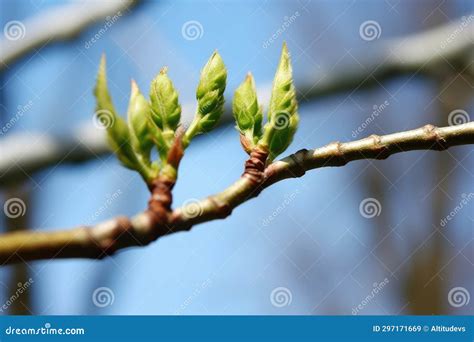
159	205
108	237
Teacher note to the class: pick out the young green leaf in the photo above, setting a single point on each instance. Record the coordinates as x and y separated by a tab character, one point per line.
165	113
247	113
139	122
117	131
210	97
166	110
282	115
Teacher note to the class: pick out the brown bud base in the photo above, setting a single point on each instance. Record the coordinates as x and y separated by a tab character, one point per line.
246	143
159	205
255	165
176	152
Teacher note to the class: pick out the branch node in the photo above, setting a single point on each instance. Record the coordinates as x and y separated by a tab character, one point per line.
432	134
299	168
255	166
380	150
339	154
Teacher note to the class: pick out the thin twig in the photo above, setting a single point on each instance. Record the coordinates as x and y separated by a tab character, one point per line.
118	233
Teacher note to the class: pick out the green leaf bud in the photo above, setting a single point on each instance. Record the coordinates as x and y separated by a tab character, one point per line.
166	110
247	113
139	123
210	98
282	114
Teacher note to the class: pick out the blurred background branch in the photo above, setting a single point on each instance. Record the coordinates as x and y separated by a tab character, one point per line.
60	23
20	273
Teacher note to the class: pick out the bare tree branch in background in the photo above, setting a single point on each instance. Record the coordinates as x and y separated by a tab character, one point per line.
424	53
20	273
60	23
159	219
421	53
428	271
24	154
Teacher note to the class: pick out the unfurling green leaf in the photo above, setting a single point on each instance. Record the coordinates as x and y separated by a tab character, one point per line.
139	124
118	137
118	134
210	97
282	114
166	110
247	113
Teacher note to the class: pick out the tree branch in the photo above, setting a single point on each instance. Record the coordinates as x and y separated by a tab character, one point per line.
24	154
426	53
110	236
